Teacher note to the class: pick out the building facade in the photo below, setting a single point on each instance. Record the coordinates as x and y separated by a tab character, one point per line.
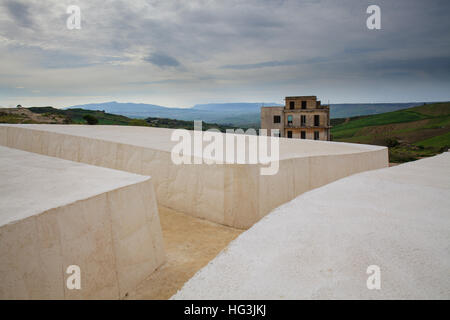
301	117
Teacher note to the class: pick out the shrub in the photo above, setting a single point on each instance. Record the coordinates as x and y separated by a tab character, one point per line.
400	157
391	142
67	120
90	119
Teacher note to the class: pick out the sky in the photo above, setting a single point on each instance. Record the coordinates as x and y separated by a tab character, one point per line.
181	53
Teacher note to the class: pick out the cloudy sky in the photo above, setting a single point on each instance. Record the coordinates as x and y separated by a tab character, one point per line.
179	53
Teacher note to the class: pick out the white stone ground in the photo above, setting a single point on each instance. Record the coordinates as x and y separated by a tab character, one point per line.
319	245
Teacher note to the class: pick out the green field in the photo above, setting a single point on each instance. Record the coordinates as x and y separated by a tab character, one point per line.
410	133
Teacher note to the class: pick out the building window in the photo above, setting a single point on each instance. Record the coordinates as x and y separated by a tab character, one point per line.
291	105
316	120
289	134
303	104
316	135
303	134
276	119
303	121
289	120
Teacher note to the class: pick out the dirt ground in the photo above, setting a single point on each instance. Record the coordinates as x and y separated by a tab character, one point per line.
190	244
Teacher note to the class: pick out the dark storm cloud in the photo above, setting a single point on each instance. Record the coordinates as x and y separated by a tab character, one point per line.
436	68
20	13
162	60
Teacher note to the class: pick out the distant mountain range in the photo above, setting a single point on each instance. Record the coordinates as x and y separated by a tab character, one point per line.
236	114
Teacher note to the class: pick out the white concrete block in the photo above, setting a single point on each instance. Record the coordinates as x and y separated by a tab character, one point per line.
231	194
56	213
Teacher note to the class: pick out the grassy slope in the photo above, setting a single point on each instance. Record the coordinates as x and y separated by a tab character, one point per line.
14	118
23	115
410	133
75	116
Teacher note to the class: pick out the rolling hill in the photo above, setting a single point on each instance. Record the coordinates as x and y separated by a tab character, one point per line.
410	133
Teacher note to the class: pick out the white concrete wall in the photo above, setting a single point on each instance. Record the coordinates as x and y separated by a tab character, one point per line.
57	213
230	194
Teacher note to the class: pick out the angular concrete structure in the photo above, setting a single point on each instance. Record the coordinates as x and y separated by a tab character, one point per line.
321	244
231	194
55	213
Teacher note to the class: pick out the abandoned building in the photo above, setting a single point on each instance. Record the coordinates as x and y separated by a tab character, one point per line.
301	117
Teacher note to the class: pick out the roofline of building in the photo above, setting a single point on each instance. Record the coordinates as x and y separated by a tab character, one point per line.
302	97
